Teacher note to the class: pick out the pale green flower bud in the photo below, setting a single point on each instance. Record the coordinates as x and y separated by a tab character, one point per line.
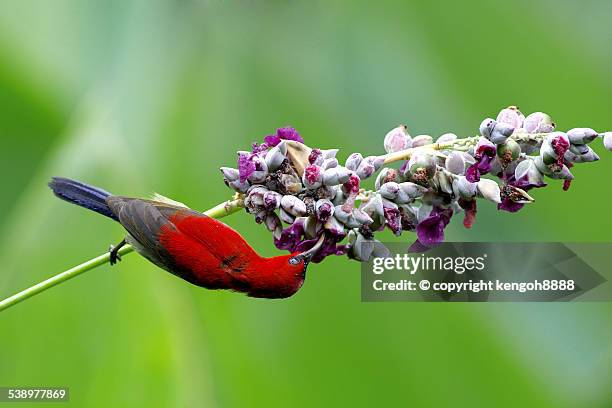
443	182
508	151
397	139
387	174
447	138
538	122
423	212
329	153
353	219
329	163
581	136
607	140
501	132
312	227
527	173
362	217
579	149
463	188
489	189
291	184
392	191
353	161
487	126
271	200
230	174
272	222
364	249
336	175
282	147
374	208
334	226
553	170
421	166
413	190
587	156
255	196
389	204
554	144
389	190
293	205
511	116
286	217
239	186
275	157
318	157
458	162
422	140
365	170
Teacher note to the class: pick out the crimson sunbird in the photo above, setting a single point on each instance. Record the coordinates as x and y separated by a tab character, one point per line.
189	244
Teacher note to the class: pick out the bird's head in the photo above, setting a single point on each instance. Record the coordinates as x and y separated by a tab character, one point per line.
284	275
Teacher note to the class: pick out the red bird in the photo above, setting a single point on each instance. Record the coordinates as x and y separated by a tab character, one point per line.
189	244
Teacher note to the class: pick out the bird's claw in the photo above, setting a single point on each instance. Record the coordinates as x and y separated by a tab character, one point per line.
114	254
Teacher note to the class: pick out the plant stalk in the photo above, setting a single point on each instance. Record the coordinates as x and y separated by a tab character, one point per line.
219	211
457	144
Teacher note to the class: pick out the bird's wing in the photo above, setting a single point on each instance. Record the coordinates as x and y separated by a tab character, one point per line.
163	199
217	237
184	240
141	219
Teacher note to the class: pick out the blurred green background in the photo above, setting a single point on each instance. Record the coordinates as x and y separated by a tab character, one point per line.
138	96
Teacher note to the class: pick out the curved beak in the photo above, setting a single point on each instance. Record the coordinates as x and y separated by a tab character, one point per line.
306	256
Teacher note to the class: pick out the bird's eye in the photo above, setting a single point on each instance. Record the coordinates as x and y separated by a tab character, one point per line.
294	261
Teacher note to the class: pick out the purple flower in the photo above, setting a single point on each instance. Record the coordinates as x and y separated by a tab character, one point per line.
286	133
508	194
246	161
560	145
484	156
324	209
246	166
328	247
404	167
469	206
566	184
393	219
525	183
350	189
292	239
314	155
259	148
291	236
430	231
508	205
313	174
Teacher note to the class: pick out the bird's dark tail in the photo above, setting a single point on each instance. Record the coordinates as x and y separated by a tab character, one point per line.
83	195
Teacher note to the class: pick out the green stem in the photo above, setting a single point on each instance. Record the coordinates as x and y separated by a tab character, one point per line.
219	211
458	144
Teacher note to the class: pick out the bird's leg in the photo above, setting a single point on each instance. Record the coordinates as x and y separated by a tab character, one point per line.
114	252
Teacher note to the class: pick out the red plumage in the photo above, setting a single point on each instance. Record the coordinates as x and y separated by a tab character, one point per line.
217	257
